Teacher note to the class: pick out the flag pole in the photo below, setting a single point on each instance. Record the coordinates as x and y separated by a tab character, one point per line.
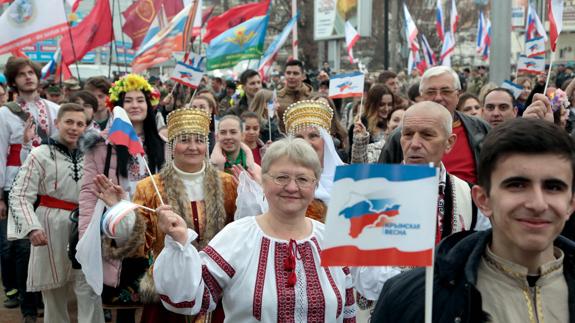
549	73
294	30
73	51
113	42
142	159
123	41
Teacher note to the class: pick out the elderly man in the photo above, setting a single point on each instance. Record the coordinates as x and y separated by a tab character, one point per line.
440	84
522	270
426	136
499	106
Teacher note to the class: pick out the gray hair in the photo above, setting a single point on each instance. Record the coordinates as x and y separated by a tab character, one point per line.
437	71
444	114
297	150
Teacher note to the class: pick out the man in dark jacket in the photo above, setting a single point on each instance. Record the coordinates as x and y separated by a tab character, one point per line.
521	270
441	85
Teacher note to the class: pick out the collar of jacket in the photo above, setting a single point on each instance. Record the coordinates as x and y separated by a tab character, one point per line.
460	254
304	88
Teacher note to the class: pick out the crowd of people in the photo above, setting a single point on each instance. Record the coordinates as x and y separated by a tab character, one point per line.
235	179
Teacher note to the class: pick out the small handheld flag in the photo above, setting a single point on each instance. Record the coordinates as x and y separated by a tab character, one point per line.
189	73
351	37
346	85
381	215
122	132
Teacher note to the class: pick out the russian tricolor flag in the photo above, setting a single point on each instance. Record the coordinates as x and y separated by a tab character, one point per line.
410	30
439	21
428	52
122	133
480	32
534	25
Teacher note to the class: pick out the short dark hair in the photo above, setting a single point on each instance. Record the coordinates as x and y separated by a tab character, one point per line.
294	62
87	97
217	79
522	136
502	89
98	82
249	73
15	64
464	97
71	107
385	75
413	91
249	115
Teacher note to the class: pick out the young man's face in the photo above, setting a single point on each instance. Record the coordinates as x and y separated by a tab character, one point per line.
529	202
498	108
101	96
229	135
71	126
294	76
253	85
26	80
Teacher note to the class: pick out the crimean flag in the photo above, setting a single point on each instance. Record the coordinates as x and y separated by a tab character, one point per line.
96	29
27	22
190	72
233	17
447	49
351	37
346	85
531	65
535	47
454	17
439	20
140	15
244	41
381	215
122	133
555	14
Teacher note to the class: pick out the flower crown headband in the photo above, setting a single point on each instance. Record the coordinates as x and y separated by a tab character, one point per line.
130	82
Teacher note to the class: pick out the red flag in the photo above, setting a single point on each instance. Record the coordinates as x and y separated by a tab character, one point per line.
140	15
18	52
95	30
234	17
5	1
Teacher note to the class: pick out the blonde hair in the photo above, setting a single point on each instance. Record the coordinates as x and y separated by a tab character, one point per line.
297	150
259	104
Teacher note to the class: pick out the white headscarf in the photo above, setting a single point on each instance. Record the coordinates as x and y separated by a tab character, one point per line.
330	161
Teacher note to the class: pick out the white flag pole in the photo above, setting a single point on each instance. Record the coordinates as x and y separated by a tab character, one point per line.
294	30
142	159
429	291
549	72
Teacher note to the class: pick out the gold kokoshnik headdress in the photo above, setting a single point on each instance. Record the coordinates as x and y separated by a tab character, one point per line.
188	121
307	113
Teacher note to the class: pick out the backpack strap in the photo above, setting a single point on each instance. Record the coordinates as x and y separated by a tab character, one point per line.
23	115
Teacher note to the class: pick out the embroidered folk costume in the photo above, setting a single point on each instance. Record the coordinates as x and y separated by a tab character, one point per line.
317	114
206	200
52	174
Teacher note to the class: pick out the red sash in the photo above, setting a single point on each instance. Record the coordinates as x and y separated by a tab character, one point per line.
55	203
13	158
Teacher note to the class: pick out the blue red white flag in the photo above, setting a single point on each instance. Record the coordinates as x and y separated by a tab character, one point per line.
533	65
516	89
122	133
410	30
381	215
555	14
454	17
346	85
447	49
535	47
428	54
27	22
351	37
189	73
480	33
439	20
274	48
533	26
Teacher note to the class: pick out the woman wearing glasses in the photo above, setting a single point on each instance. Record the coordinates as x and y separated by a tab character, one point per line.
264	268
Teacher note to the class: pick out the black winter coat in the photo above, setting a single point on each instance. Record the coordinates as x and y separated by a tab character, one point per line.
455	297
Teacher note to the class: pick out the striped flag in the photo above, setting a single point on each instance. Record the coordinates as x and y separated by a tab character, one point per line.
439	21
533	26
122	133
410	30
555	14
533	65
273	50
480	32
189	73
193	21
351	37
454	18
428	54
346	85
447	49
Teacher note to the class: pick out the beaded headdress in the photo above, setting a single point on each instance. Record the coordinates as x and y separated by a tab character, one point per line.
307	113
130	82
188	121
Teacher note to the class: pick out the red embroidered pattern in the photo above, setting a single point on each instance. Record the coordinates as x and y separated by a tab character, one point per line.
260	279
188	304
205	302
349	299
212	284
315	297
349	320
331	282
220	261
285	294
